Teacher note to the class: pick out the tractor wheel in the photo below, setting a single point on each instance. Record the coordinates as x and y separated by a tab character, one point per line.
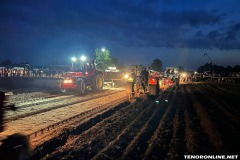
97	82
81	87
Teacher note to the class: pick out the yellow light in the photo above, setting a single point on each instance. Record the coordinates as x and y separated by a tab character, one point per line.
126	76
130	79
184	74
67	81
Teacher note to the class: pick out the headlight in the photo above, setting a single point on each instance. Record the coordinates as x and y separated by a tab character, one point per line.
130	79
184	75
67	81
126	76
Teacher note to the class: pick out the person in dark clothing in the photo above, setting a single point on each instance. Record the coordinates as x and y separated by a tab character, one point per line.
144	73
133	76
15	146
2	99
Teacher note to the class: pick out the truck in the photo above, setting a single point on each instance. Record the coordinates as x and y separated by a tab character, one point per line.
143	80
83	75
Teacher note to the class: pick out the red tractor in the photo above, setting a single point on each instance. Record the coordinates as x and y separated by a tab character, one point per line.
83	75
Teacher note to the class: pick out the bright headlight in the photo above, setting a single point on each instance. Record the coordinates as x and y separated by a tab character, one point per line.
184	75
67	81
126	76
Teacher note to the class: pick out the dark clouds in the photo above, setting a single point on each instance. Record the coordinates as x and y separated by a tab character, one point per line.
64	26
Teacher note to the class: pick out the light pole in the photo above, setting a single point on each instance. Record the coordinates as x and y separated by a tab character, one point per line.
74	59
212	65
83	58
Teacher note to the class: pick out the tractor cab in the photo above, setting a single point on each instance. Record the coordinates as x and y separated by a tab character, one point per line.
83	69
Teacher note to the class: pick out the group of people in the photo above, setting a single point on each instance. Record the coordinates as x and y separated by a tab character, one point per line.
14	72
21	72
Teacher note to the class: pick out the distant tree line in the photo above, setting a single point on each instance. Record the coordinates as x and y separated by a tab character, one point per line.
209	67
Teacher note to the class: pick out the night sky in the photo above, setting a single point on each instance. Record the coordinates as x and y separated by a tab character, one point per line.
178	32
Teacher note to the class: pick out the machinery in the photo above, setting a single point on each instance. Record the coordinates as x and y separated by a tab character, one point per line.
143	80
171	76
83	75
111	76
15	146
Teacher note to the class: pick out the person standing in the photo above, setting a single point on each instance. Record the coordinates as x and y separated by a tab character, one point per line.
2	99
144	73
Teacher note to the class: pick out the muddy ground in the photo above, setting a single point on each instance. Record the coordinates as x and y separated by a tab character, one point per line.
200	119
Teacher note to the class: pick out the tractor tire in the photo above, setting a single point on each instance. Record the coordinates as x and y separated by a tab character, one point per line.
81	87
97	83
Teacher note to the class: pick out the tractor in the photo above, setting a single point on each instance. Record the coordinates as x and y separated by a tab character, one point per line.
84	75
143	80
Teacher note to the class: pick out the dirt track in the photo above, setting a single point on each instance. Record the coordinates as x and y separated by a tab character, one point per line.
189	119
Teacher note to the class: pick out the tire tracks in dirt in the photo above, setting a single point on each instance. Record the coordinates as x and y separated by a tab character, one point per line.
207	114
111	131
163	137
225	104
73	134
91	141
230	100
229	124
233	89
196	139
177	145
137	134
48	105
191	122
